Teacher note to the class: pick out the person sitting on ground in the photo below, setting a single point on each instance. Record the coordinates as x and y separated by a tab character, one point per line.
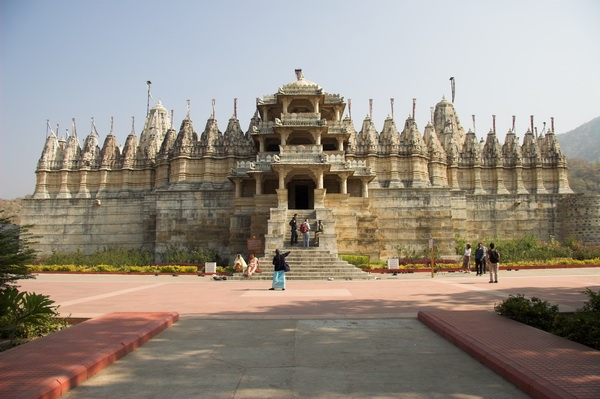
253	264
239	264
319	230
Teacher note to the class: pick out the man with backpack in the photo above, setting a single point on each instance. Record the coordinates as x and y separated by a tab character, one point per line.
305	230
494	258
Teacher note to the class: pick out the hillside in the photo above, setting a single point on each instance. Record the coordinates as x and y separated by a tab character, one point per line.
582	142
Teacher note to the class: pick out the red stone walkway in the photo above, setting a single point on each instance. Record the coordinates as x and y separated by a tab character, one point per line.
48	367
539	363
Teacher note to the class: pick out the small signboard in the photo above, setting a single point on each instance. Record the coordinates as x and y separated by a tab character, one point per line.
431	243
393	263
255	246
210	267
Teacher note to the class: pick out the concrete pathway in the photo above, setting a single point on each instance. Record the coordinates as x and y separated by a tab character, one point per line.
236	339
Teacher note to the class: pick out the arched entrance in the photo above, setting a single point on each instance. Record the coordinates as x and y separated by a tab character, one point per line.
301	194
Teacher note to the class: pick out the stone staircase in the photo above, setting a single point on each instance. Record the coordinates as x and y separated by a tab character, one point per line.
309	264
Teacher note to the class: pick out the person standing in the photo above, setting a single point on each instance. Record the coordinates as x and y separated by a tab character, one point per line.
279	270
467	259
294	227
305	230
479	256
494	257
484	260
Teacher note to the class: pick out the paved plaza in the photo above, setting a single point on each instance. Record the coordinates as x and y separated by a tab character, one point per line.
317	339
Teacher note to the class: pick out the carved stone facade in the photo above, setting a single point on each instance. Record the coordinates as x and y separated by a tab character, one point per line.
375	191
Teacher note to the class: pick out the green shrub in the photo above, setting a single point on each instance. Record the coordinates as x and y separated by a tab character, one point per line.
533	312
25	314
582	326
361	261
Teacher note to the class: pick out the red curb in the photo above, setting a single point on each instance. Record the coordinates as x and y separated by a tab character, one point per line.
515	352
50	366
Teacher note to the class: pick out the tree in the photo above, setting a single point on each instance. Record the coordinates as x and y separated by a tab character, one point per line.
15	253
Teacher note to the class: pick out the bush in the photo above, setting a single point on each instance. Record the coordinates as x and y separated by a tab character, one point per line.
26	315
583	325
361	261
533	312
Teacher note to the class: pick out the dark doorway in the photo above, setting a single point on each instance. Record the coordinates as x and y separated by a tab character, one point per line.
302	196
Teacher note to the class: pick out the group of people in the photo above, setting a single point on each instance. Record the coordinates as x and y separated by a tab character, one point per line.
304	229
483	257
280	267
247	269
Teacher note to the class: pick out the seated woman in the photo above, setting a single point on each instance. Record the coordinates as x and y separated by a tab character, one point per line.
253	264
239	264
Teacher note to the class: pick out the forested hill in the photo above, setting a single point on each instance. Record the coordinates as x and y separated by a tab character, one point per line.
582	142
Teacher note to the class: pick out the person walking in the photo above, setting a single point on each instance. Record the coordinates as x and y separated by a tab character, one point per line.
279	264
479	254
494	257
294	227
484	260
467	259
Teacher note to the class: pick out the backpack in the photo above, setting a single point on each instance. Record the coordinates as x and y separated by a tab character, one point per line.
494	256
303	228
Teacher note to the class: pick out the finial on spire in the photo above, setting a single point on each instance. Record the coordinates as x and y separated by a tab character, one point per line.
187	115
514	118
172	120
392	106
74	127
48	128
452	87
552	123
370	108
94	130
544	128
133	125
531	122
112	123
350	108
494	123
235	108
213	108
413	108
299	74
473	117
148	83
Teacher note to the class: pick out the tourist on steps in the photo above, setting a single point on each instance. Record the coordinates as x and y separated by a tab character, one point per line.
305	230
294	226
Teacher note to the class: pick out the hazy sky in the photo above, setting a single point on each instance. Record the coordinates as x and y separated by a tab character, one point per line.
79	59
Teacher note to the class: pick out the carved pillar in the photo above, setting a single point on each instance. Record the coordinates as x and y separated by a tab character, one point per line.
500	187
63	192
103	182
41	190
365	188
344	184
519	180
83	190
540	188
477	186
258	180
261	144
319	198
320	180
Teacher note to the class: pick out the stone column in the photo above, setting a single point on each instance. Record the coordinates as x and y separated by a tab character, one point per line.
83	190
238	187
319	197
258	179
365	188
63	192
41	190
344	188
320	180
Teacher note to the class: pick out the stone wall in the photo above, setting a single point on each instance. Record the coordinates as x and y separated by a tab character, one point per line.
92	224
579	215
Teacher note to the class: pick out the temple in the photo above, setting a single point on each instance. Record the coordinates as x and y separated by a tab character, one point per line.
378	193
